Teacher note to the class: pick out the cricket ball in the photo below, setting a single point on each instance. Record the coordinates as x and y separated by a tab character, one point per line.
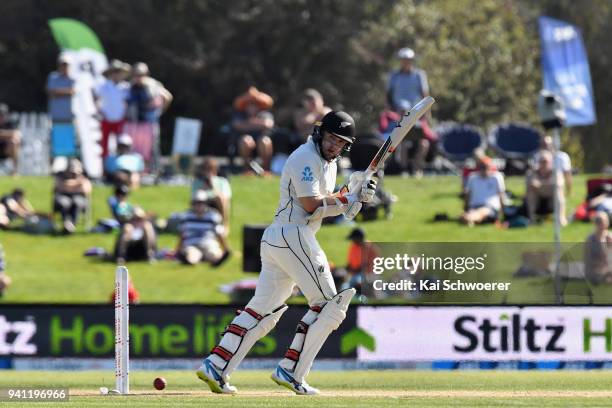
159	383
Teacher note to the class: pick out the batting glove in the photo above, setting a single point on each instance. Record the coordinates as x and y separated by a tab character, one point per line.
368	190
356	180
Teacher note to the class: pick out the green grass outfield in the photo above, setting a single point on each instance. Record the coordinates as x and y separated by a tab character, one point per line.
53	269
339	389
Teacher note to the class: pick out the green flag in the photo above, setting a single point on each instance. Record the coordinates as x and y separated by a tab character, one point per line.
74	35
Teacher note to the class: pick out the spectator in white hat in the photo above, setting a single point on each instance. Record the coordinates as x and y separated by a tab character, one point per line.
111	99
406	87
61	89
408	83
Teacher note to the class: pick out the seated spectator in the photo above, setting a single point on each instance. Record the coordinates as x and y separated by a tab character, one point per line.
126	166
387	121
133	295
412	152
137	241
602	200
202	236
483	194
10	138
253	123
562	160
598	251
71	194
313	109
360	260
470	168
120	208
14	205
217	189
541	189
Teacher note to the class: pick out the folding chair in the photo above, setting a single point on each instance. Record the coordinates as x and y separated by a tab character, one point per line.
63	140
459	141
516	143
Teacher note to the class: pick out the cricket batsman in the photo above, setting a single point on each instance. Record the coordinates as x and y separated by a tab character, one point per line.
290	255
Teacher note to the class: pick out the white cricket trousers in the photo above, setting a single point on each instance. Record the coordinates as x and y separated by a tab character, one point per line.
290	255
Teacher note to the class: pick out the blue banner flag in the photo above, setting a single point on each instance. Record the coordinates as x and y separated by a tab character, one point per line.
565	69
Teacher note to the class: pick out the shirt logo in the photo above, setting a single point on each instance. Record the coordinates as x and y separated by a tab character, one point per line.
307	174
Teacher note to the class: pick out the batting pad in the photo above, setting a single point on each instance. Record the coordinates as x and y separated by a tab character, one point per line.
241	334
328	320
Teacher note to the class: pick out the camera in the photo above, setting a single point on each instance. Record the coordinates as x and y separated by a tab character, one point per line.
551	110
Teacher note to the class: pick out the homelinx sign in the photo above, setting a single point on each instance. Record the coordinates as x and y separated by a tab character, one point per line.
155	331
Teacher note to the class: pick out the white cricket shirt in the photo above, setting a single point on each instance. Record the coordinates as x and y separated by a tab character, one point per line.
306	174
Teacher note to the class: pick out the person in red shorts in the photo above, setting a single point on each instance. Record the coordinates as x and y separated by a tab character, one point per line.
111	98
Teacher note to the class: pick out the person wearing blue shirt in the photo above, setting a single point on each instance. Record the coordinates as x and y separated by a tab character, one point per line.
125	166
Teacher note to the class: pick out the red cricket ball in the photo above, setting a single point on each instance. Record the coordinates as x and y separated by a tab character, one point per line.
159	383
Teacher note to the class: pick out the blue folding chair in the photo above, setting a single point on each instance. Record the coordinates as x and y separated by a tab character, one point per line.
459	141
515	141
63	140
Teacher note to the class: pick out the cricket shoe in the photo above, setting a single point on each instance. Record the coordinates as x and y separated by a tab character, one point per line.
284	379
210	375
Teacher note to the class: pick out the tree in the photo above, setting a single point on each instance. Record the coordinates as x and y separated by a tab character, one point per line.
480	56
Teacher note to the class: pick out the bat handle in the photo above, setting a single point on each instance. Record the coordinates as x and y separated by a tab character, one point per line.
369	173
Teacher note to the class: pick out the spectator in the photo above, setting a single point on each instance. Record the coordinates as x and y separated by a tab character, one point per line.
126	166
253	123
60	89
602	200
217	189
562	160
111	97
413	150
313	109
408	83
147	100
10	138
483	194
598	251
361	253
360	260
5	280
202	236
133	295
14	205
71	194
541	189
137	240
121	209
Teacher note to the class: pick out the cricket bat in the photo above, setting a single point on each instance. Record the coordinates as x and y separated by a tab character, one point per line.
398	134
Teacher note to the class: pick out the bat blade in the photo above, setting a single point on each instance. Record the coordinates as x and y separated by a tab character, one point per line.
398	134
